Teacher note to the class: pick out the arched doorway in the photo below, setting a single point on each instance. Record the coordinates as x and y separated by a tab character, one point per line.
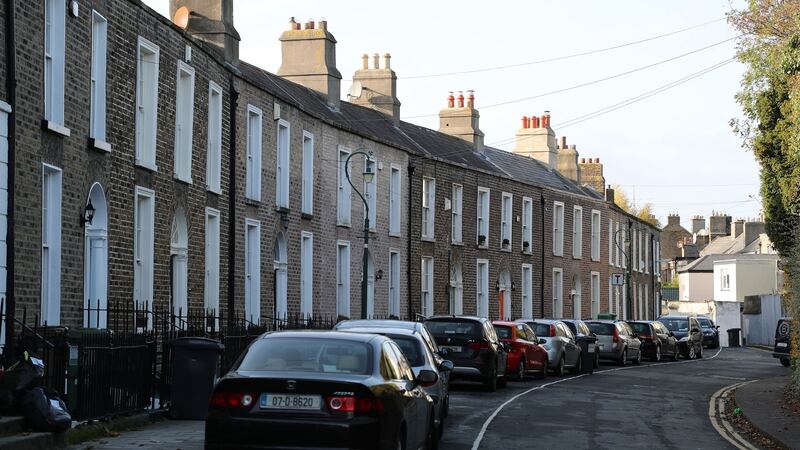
279	267
456	290
179	267
95	269
504	295
576	297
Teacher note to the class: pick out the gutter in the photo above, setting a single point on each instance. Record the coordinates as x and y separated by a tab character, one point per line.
11	96
234	106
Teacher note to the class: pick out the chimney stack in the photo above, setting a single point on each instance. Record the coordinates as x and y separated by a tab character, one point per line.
698	224
309	58
538	141
568	162
610	194
592	173
210	21
379	87
719	224
673	219
462	121
737	228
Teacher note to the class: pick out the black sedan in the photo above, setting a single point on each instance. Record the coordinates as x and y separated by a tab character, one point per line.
710	332
657	340
321	389
686	330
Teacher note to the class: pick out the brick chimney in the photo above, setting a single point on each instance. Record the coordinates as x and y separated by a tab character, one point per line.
673	219
537	140
719	224
210	21
610	194
567	158
752	230
309	58
698	224
461	120
378	86
592	173
737	228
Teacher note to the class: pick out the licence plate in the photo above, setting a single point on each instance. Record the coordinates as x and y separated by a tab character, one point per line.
781	344
452	348
290	401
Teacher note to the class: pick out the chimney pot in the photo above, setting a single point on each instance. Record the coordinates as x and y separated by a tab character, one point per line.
311	24
597	160
451	100
471	99
460	99
564	142
525	122
583	160
376	61
534	122
365	61
292	24
386	61
323	24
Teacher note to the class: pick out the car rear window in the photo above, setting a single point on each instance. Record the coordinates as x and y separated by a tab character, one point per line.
302	354
640	327
503	332
681	325
705	323
455	327
572	327
411	348
606	329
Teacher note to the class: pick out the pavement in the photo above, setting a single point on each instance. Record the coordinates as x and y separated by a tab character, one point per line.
761	402
656	405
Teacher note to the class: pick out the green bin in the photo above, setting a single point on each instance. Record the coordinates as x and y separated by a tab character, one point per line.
606	316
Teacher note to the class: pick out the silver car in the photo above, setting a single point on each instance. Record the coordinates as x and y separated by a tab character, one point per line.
563	352
420	350
616	341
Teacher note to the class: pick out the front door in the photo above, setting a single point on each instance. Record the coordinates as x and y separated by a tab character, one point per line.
96	281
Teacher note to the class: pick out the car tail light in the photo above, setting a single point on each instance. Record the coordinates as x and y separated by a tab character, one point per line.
477	345
364	405
616	335
230	400
552	330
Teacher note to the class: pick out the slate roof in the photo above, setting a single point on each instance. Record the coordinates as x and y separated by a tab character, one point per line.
706	263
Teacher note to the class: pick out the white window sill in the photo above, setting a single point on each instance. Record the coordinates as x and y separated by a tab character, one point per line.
101	145
214	190
395	234
577	257
483	247
459	243
149	166
527	252
343	224
182	179
55	127
427	239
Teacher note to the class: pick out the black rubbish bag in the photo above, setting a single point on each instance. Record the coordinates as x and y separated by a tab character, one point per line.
25	374
45	411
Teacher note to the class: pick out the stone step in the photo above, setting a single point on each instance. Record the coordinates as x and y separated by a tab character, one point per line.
33	441
11	425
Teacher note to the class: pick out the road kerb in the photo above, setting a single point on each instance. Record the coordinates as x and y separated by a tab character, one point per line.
716	414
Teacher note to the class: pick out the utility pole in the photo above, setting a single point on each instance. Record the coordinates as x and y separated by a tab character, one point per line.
369	175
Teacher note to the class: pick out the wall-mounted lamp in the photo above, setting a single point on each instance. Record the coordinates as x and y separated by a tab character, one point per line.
369	175
379	274
88	214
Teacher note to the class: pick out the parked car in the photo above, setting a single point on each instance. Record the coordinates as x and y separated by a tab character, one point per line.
474	348
525	355
616	341
314	388
688	333
657	340
783	340
710	332
587	341
563	351
419	349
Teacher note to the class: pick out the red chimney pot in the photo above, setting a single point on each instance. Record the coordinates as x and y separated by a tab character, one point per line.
525	122
460	99
451	101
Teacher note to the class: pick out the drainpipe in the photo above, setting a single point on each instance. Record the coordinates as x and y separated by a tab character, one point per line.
408	239
541	285
234	107
11	95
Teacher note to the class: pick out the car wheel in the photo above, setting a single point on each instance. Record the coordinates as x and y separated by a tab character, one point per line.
700	353
657	358
638	359
785	362
502	381
432	441
559	372
520	375
543	373
692	354
624	358
490	384
676	353
596	359
400	443
578	365
446	407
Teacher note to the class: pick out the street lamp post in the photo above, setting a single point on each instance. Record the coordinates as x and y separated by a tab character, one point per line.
369	175
623	248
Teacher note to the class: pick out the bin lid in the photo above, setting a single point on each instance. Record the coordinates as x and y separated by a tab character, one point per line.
198	343
734	329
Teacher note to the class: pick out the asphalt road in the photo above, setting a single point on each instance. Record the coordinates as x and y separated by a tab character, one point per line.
662	405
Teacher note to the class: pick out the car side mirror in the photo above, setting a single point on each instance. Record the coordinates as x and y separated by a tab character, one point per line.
542	341
446	365
427	378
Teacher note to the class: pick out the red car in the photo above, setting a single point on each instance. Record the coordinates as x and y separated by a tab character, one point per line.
525	355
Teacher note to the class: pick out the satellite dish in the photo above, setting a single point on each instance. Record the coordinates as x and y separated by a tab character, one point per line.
355	90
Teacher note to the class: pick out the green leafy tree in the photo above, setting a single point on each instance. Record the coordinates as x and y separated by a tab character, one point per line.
769	46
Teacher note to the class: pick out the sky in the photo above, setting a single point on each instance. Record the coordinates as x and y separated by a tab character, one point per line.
674	148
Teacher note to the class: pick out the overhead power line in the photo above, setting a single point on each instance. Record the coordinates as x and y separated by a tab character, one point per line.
561	58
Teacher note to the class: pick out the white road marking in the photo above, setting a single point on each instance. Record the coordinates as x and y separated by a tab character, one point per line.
716	406
477	442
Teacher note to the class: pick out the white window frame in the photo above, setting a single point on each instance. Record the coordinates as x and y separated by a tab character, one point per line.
724	279
184	122
595	236
527	291
558	292
457	290
306	274
51	245
395	200
283	166
147	56
483	216
214	148
634	250
577	232
253	153
212	259
394	282
308	174
610	242
618	236
482	288
427	288
343	278
457	214
143	250
647	247
97	116
642	251
344	191
558	228
506	220
252	270
54	60
594	295
428	208
527	224
371	193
